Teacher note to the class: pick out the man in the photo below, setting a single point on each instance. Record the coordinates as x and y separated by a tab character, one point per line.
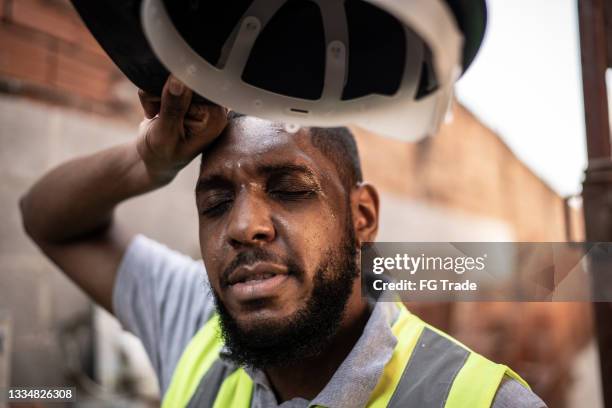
281	219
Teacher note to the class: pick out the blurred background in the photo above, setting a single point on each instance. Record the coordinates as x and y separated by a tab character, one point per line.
508	167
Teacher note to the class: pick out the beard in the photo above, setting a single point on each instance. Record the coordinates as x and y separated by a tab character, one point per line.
309	331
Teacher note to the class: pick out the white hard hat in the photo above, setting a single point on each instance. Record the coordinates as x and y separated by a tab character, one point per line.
385	65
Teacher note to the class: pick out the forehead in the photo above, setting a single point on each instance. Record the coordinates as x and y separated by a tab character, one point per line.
248	142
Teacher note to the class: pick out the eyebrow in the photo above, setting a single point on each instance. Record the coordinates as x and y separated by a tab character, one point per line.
219	181
268	169
211	182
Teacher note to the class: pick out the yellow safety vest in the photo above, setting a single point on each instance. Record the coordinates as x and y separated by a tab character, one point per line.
428	368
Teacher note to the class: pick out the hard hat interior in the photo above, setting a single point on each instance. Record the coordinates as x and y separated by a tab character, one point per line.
288	56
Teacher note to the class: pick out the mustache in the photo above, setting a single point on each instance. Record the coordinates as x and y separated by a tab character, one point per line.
254	255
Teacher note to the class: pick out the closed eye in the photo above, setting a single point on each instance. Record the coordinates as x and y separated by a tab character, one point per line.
292	195
214	204
216	209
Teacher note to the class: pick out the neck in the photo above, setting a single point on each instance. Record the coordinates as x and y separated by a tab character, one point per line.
309	376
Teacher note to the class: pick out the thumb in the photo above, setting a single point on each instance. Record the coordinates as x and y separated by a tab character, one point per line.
175	101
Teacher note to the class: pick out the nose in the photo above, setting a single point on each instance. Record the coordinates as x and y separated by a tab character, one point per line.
250	222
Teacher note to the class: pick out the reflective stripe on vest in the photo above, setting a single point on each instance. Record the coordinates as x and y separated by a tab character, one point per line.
427	369
199	355
222	387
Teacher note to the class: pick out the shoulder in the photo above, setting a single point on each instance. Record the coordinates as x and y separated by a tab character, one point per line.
148	264
161	296
438	358
145	253
512	394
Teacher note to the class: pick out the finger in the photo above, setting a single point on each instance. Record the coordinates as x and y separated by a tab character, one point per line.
174	105
150	103
203	132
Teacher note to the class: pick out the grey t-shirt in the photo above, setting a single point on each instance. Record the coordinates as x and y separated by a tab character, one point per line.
163	298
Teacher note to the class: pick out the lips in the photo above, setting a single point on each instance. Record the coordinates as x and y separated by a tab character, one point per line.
257	272
258	281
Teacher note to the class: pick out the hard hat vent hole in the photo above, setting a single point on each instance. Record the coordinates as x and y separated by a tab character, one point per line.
288	56
377	49
428	82
296	110
207	27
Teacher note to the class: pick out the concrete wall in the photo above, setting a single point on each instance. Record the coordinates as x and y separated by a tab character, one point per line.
40	301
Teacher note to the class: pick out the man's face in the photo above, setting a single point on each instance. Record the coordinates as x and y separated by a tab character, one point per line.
273	222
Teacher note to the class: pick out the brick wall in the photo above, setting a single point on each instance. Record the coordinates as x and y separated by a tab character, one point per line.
466	166
47	53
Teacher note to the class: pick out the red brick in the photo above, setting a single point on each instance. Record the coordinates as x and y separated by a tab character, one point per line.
54	18
88	42
77	73
24	55
58	19
98	60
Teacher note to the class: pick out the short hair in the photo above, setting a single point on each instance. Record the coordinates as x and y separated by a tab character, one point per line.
338	145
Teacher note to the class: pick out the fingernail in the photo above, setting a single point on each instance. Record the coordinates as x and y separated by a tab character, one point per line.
205	117
176	87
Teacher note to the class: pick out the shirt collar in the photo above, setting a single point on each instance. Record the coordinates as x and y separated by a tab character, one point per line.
355	379
353	382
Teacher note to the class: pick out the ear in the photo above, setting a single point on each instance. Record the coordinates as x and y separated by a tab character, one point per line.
364	202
